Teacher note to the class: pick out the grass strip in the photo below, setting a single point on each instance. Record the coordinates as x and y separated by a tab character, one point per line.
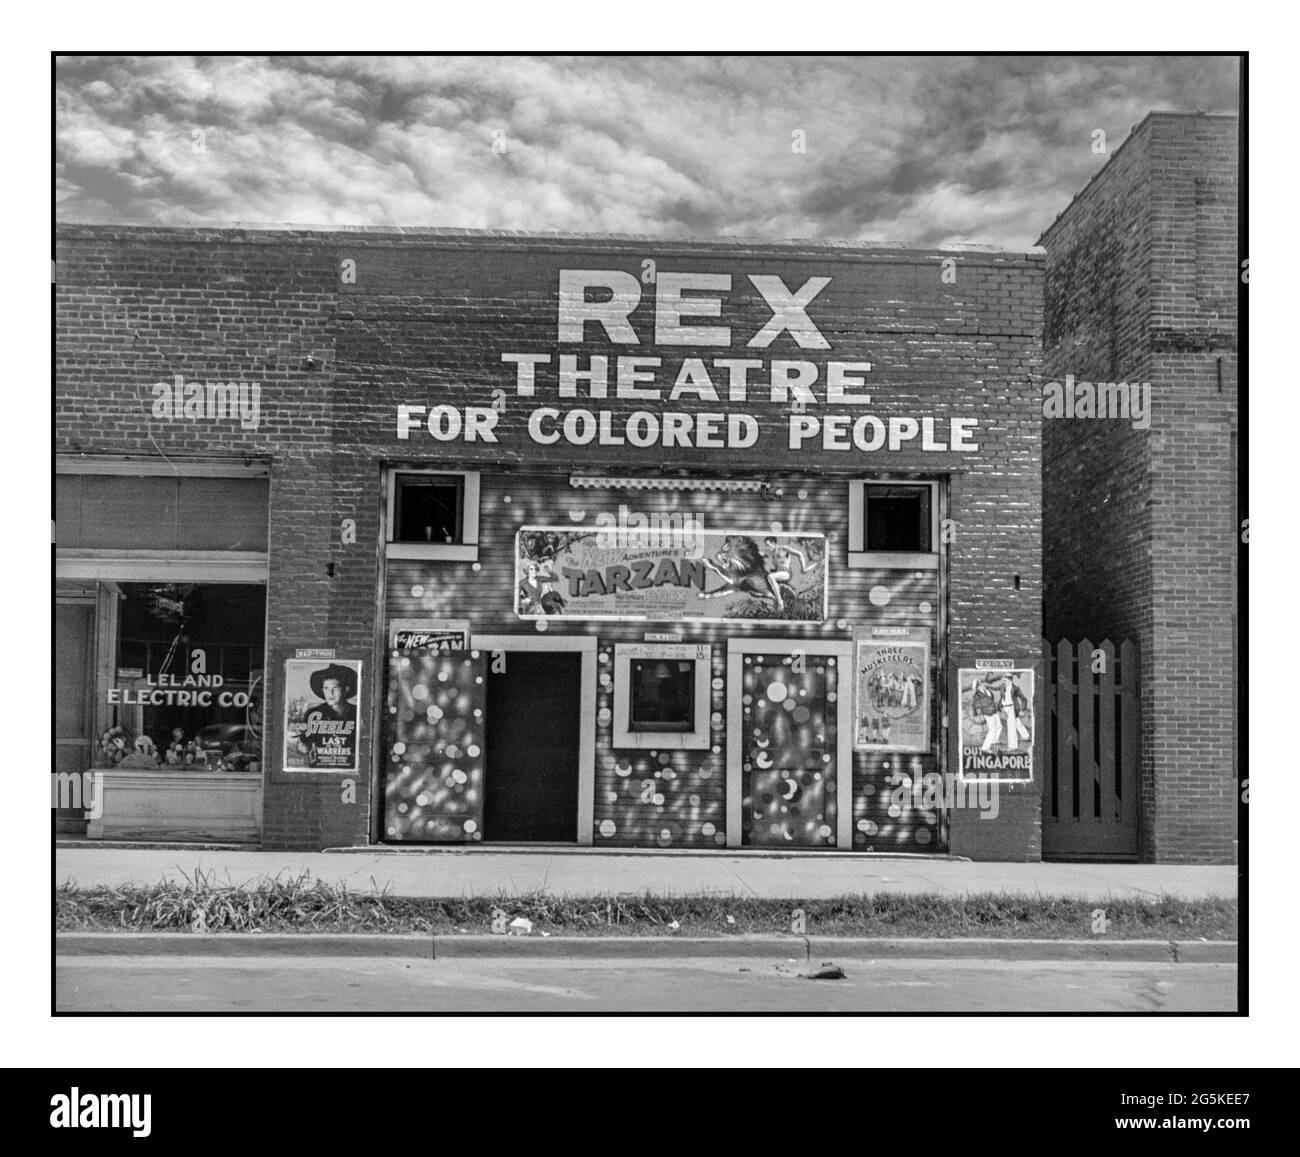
307	904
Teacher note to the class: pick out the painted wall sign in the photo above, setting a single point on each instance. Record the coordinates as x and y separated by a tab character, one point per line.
322	731
708	576
997	722
617	365
893	691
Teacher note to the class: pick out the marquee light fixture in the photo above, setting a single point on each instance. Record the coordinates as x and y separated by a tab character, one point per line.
598	482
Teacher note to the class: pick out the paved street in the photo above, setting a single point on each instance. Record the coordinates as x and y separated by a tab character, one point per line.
749	985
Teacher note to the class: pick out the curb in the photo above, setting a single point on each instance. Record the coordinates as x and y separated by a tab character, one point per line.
466	850
303	944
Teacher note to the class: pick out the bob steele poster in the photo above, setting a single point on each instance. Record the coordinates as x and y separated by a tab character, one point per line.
997	721
679	573
893	691
321	729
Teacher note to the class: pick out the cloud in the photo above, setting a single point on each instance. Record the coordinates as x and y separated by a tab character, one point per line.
913	150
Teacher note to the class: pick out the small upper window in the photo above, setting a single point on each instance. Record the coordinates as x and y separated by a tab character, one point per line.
893	524
662	695
428	508
898	518
433	514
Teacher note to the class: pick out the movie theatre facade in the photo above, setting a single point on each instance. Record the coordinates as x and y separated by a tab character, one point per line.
395	536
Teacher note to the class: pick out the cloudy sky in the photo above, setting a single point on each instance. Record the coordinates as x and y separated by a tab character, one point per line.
921	151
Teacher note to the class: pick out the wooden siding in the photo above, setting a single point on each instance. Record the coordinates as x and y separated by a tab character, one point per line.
678	798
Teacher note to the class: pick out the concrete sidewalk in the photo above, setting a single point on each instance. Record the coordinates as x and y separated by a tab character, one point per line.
481	871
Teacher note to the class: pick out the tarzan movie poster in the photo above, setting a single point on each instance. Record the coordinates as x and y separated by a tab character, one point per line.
672	574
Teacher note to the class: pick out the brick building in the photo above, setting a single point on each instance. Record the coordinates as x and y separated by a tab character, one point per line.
1139	520
387	535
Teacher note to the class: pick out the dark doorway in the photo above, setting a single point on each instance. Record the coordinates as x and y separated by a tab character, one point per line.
531	772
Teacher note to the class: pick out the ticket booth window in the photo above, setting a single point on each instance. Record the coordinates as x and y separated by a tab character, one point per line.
661	695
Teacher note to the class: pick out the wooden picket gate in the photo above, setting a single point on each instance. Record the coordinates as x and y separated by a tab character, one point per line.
1091	779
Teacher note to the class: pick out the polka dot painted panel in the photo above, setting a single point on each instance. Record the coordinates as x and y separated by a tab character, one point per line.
660	798
788	754
899	596
433	773
897	803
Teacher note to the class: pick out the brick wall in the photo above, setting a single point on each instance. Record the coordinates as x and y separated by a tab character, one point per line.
1138	525
423	317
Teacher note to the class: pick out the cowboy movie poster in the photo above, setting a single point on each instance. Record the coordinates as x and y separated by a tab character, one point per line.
321	726
997	721
893	692
671	572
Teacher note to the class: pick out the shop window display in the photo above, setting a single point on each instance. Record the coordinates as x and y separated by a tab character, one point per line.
188	681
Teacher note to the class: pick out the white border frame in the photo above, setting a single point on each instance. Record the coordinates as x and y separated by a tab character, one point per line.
842	649
587	646
697	739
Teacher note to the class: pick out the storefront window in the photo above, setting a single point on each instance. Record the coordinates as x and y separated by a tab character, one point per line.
188	688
